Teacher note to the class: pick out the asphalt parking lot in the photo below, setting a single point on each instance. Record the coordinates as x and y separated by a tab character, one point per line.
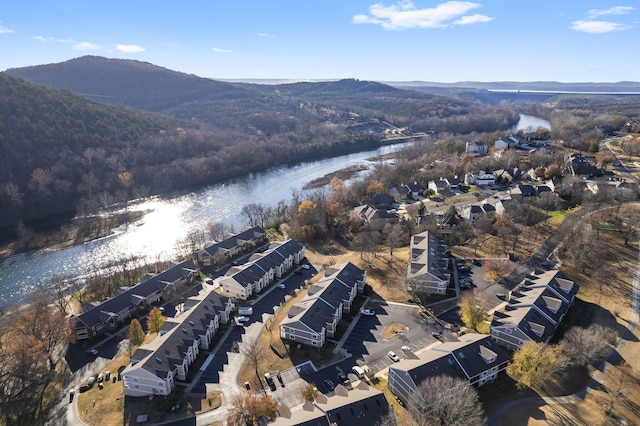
365	342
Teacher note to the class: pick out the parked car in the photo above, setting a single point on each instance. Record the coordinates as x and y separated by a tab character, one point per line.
93	352
406	348
329	384
547	264
437	334
393	356
280	285
343	379
269	379
279	376
305	266
368	312
71	394
464	268
243	319
501	296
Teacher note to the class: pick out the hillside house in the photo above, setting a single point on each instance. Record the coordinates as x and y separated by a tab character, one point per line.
476	149
474	212
377	217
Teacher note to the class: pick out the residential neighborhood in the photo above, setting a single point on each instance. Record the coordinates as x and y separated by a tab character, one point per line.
373	355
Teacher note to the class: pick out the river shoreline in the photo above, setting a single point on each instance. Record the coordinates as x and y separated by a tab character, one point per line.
78	231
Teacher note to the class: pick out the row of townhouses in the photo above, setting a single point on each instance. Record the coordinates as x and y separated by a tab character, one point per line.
155	367
535	309
430	266
261	270
132	301
315	318
221	253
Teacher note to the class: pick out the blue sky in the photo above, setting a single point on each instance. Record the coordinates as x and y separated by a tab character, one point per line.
440	41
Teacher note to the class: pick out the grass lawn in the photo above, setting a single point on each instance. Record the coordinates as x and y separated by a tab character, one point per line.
110	406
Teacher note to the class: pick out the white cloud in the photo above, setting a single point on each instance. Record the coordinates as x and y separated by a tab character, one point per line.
617	10
404	15
473	19
129	48
5	30
266	35
218	50
85	45
597	27
59	40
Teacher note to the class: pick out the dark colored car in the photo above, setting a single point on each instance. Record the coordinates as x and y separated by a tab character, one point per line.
342	378
269	379
329	384
279	376
71	395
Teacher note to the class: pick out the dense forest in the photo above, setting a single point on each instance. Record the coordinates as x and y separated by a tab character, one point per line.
65	153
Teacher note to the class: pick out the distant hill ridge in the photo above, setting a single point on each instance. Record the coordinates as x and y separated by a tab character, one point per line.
146	86
128	82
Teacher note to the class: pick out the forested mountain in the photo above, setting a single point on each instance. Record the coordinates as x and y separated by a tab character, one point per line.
66	153
51	140
249	106
131	83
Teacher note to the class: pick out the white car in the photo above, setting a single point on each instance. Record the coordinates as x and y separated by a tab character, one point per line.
280	285
406	348
93	352
368	312
393	356
243	319
305	266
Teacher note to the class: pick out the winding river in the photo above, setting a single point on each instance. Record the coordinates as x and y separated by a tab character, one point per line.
157	235
169	220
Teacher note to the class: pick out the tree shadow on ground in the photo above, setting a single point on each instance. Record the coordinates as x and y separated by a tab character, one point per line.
583	314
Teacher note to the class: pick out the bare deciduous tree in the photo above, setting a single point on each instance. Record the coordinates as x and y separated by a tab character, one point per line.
584	345
445	400
254	353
